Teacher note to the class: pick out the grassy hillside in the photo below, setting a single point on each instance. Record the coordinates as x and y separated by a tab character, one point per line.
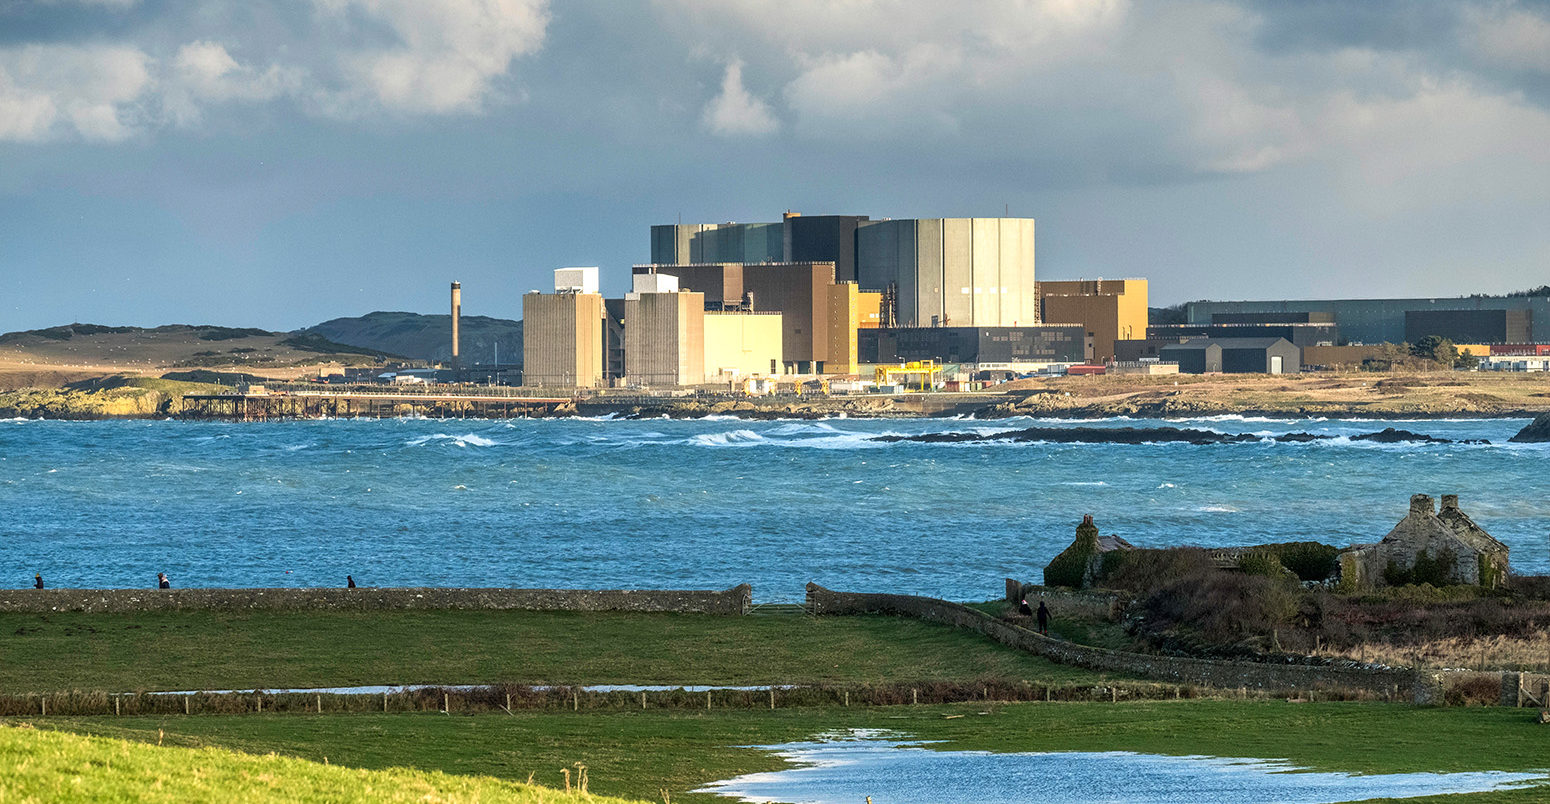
427	337
43	765
205	650
57	356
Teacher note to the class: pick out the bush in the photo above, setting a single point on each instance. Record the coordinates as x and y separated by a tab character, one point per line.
1261	563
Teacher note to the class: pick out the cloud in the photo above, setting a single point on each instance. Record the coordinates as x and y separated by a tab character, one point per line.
204	72
734	112
89	92
445	56
339	58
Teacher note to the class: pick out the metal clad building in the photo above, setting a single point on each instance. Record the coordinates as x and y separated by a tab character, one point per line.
1470	326
1038	344
1380	320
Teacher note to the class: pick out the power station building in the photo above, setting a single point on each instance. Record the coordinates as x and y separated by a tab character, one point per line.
1485	319
936	271
818	317
562	333
1109	309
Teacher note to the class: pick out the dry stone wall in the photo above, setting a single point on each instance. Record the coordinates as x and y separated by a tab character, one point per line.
1377	681
734	601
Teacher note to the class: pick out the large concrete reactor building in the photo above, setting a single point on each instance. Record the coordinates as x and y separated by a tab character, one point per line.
936	271
562	336
961	272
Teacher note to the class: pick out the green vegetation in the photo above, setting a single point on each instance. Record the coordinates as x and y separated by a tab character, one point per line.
639	753
104	397
39	765
307	342
208	650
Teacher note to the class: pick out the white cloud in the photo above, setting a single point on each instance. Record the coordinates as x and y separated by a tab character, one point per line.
734	111
204	72
1511	37
446	57
352	59
91	92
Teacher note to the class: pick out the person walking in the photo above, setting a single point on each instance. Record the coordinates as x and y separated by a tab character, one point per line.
162	582
37	580
1043	618
349	581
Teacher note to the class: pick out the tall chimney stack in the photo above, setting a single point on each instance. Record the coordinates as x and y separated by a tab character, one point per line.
457	312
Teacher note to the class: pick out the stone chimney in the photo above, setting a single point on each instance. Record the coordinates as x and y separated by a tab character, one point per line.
1422	504
1450	502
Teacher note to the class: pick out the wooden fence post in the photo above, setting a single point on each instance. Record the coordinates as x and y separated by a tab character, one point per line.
772	697
186	705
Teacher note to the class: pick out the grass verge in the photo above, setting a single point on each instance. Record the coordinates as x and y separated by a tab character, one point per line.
210	650
38	765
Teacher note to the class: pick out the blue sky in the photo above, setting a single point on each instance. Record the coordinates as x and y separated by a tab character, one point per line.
275	164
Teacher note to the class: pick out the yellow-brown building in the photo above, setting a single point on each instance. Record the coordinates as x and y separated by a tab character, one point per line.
850	309
562	340
739	345
1110	309
664	339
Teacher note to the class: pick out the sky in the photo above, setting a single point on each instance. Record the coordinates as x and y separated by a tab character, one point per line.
276	163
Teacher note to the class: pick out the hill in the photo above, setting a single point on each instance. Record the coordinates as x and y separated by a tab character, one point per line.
57	356
426	337
41	765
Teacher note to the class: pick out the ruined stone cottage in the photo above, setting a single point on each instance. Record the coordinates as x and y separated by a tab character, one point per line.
1080	564
1428	546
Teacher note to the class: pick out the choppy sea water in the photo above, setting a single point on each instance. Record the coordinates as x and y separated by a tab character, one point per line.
700	504
848	768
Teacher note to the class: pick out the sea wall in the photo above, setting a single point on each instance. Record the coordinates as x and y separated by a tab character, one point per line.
734	601
1276	678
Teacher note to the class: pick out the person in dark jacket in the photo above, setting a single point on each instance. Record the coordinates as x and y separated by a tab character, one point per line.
37	580
349	582
1022	608
162	582
1043	618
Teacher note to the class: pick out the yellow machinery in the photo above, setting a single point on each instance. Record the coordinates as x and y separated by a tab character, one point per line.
921	375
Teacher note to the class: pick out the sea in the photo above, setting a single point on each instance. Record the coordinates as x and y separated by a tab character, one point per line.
707	503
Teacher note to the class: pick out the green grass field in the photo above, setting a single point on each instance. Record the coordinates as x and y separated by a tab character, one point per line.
43	765
635	754
168	651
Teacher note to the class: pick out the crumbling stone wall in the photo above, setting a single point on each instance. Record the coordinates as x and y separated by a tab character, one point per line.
734	601
1087	604
1377	681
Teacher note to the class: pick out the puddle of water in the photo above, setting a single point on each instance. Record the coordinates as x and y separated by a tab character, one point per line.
847	767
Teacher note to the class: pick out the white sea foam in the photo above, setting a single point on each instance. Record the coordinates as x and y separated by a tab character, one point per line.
1085	483
465	440
1217	509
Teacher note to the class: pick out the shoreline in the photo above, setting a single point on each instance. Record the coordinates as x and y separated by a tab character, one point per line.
1351	395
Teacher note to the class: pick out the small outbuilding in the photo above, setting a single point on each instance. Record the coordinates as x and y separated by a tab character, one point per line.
1428	546
1234	356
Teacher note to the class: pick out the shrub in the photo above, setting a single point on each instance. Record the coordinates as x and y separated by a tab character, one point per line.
1261	563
